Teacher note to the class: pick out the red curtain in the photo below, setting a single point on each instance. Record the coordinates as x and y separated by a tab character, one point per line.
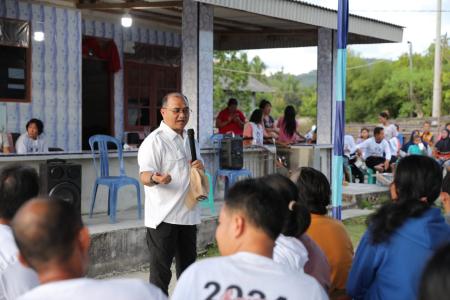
109	52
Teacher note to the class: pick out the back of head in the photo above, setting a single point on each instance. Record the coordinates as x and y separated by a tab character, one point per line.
435	282
298	217
45	231
256	116
314	189
417	182
290	123
18	184
261	205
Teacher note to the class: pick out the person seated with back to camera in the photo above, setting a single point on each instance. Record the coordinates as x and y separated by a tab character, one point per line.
32	141
249	223
293	247
18	184
434	283
288	127
401	235
328	233
53	241
254	129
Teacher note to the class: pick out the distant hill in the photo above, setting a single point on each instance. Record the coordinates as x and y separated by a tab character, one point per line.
308	79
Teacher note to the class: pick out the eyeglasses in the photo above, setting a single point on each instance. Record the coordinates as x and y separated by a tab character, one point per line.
177	111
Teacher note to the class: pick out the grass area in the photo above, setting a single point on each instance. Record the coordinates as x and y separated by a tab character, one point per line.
355	228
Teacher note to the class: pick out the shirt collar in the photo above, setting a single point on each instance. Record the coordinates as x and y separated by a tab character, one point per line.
170	132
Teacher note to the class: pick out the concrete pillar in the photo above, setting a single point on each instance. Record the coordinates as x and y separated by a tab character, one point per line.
326	69
197	66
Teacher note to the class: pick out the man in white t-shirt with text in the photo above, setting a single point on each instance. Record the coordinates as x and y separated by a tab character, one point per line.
377	151
164	164
18	184
53	241
249	223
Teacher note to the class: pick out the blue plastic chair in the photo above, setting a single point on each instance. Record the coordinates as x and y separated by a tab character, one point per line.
103	178
210	201
230	175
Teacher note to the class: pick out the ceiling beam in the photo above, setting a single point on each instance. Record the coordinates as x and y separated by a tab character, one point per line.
130	5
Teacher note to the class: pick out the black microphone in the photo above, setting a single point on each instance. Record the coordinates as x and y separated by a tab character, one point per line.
190	133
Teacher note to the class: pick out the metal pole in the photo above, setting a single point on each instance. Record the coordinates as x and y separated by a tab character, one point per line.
437	85
411	72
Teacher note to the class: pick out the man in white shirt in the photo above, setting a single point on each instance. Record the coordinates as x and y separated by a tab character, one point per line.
377	151
53	241
18	184
32	141
390	130
164	163
249	223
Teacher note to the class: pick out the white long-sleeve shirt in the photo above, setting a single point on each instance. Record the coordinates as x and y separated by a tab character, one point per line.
371	148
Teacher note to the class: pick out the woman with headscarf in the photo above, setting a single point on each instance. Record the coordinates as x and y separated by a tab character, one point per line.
442	149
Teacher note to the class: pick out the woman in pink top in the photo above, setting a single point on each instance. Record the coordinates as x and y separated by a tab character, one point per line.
287	124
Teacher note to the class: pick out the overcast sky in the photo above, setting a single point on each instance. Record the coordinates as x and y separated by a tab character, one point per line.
417	16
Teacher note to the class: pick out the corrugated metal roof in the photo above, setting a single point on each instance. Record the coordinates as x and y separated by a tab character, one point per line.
306	13
253	85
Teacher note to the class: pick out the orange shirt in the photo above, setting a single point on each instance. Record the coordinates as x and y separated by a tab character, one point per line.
333	239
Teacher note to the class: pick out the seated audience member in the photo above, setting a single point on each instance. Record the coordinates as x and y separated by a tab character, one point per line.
328	233
249	223
269	122
350	159
445	197
435	280
254	129
18	184
401	235
4	143
417	147
288	127
377	151
426	134
363	135
32	141
400	136
404	149
442	149
230	119
390	130
293	247
53	241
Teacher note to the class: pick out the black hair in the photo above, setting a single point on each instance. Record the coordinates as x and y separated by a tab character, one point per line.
435	281
427	122
262	205
397	126
290	123
232	101
447	124
50	236
418	181
18	184
384	114
314	190
446	183
377	130
176	95
256	116
264	103
298	219
38	123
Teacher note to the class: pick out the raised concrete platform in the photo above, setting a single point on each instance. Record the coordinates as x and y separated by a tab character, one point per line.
122	247
354	193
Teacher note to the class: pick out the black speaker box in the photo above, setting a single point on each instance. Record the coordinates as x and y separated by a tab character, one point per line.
61	180
231	153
